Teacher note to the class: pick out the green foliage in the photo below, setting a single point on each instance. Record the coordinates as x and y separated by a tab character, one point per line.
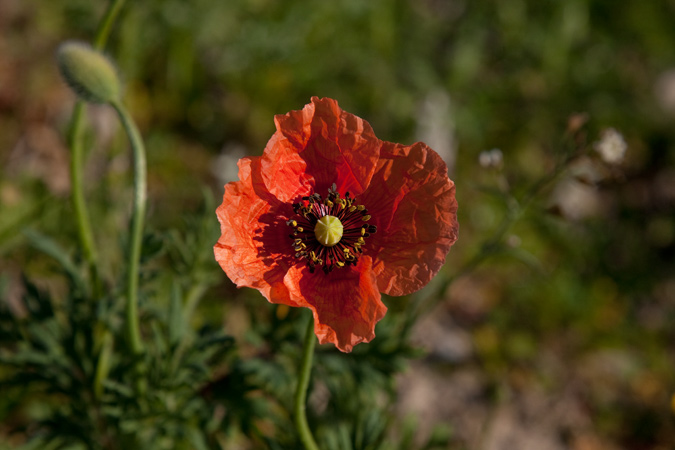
66	368
65	356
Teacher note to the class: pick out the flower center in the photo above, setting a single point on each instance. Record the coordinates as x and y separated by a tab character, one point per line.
329	232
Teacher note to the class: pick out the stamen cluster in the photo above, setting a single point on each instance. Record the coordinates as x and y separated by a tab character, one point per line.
354	218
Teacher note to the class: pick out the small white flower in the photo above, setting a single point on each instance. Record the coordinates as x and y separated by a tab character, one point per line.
612	147
491	159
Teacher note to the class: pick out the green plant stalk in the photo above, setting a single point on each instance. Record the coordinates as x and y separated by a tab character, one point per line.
136	233
106	23
299	408
84	228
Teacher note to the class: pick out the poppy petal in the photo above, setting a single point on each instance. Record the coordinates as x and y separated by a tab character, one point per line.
253	246
335	146
412	203
283	170
346	303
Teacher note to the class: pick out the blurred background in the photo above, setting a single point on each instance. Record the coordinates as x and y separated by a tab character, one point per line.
562	337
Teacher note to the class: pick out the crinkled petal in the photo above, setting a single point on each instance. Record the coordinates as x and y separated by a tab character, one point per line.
345	303
283	170
253	246
324	145
412	203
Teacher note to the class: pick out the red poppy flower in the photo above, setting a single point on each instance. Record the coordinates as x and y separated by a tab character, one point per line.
330	216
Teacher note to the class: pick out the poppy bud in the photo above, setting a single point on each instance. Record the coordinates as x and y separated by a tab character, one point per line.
92	76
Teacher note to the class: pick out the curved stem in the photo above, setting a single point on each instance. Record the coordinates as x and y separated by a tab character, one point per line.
136	232
299	408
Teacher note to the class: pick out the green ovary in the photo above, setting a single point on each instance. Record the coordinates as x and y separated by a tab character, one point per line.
328	231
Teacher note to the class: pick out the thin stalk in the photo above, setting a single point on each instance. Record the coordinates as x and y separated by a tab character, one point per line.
136	232
106	23
84	228
299	408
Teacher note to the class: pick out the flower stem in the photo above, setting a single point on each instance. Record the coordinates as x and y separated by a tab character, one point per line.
79	206
136	232
299	408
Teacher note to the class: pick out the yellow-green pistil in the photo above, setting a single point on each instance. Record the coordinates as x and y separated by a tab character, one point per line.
328	230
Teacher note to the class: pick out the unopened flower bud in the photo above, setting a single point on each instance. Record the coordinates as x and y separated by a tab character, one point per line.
91	75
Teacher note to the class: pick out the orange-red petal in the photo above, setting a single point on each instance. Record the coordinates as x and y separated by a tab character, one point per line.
412	203
283	171
253	246
346	303
334	146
